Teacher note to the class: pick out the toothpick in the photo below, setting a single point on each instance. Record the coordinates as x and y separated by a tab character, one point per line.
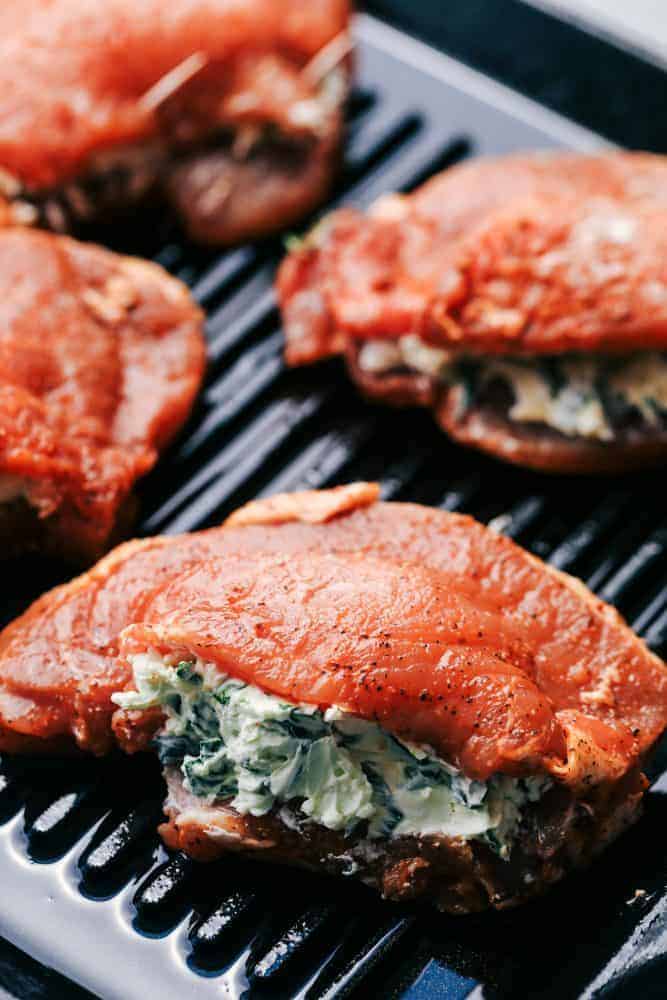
173	81
328	58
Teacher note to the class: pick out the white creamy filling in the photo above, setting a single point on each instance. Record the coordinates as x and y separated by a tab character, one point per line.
576	403
643	382
574	409
233	742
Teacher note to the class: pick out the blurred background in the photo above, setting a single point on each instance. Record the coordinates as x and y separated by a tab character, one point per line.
642	22
558	53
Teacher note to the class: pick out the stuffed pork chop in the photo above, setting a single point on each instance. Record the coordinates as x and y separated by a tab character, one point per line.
373	689
229	109
100	359
523	299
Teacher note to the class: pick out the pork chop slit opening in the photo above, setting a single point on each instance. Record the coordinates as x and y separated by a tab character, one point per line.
230	741
325	789
596	397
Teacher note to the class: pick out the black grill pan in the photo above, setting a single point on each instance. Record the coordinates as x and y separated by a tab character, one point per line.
86	888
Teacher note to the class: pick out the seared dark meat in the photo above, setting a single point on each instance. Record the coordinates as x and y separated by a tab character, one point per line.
559	835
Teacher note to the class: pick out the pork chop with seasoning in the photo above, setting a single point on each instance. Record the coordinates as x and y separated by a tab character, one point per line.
523	299
371	689
231	110
100	360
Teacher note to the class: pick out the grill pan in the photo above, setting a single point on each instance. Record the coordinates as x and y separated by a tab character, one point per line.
85	886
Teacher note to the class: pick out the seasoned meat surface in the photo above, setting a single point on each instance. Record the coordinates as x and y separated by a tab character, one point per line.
100	360
120	99
390	640
533	254
541	632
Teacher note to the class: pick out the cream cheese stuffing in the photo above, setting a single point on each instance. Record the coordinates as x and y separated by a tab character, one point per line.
584	396
233	742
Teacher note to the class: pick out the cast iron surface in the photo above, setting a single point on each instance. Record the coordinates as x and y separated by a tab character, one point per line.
85	886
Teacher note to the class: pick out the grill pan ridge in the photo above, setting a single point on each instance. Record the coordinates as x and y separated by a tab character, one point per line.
85	886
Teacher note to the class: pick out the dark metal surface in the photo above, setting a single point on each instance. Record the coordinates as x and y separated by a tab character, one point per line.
604	86
85	844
